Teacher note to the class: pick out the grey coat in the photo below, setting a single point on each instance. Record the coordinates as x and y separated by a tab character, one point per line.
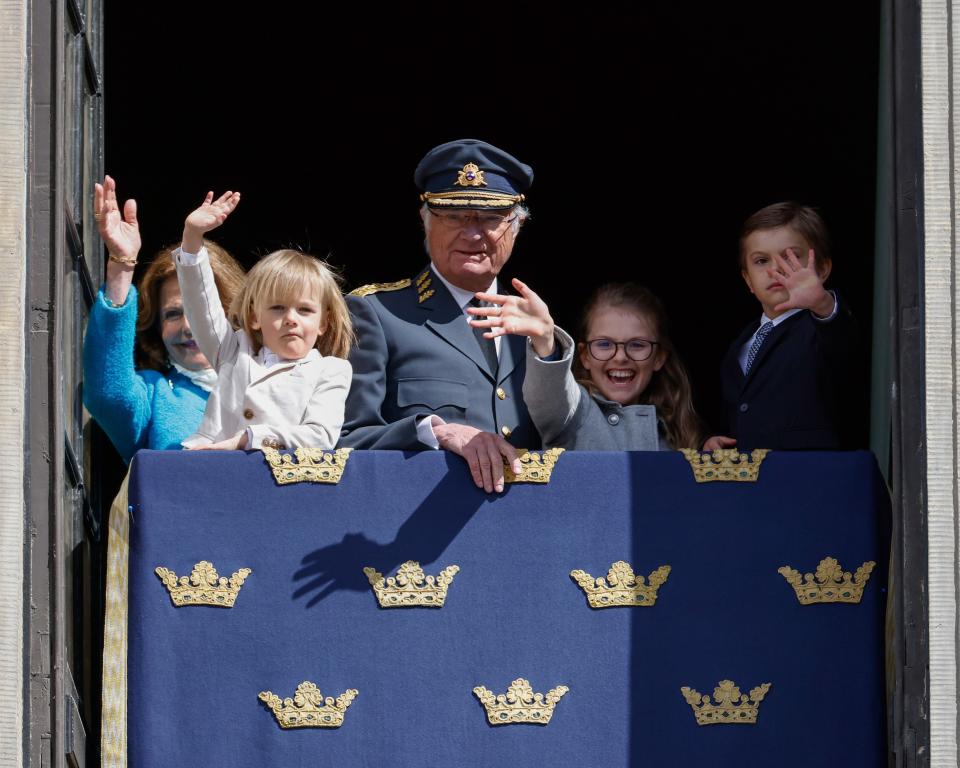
567	416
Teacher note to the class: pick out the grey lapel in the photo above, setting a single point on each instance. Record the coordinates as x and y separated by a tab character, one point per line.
512	351
449	323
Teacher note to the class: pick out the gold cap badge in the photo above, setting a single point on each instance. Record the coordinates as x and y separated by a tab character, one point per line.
470	176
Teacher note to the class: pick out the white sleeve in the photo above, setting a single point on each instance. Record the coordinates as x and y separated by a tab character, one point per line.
201	303
425	433
832	315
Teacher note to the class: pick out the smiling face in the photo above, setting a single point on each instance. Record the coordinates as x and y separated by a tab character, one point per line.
758	250
468	253
620	378
181	347
291	326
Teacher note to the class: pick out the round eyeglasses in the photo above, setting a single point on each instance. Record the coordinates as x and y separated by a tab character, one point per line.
491	223
637	350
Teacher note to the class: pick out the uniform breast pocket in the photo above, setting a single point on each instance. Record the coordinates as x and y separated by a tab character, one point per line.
434	394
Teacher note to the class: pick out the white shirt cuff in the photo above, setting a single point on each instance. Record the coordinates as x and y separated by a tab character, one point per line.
833	314
425	432
190	259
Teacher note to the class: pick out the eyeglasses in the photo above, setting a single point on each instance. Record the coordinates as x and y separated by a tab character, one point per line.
491	223
637	350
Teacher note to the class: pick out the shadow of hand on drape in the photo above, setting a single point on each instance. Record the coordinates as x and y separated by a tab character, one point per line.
423	537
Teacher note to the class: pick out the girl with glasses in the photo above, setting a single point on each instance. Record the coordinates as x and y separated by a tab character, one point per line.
622	388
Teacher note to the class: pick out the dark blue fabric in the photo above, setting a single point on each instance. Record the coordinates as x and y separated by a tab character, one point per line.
307	612
438	171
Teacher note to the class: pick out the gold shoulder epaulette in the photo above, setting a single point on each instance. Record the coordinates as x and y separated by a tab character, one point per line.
366	290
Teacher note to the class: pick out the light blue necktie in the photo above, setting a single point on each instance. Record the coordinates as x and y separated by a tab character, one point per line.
757	343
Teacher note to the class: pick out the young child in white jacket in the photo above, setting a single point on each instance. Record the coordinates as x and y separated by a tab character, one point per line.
282	375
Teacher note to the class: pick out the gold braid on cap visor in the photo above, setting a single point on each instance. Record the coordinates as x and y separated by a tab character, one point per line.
473	199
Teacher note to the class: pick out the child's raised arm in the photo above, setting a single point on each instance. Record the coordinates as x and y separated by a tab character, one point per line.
523	315
201	301
210	215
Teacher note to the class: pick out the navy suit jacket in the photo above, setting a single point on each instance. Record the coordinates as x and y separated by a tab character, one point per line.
416	355
790	398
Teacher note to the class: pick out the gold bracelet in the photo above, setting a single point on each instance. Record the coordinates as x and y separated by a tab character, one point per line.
130	261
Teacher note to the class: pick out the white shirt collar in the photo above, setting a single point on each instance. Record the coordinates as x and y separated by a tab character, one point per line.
268	359
461	296
780	318
206	379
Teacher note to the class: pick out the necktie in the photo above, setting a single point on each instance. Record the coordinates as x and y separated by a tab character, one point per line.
487	346
757	343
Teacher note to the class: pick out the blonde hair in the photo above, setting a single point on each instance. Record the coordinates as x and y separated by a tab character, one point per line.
285	273
227	274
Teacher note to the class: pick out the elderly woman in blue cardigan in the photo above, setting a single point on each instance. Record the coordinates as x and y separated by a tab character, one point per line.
160	401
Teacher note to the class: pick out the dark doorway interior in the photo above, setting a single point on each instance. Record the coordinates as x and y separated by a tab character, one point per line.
653	133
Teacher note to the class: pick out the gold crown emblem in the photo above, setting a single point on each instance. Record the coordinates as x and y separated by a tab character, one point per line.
308	708
313	465
621	587
204	586
725	464
410	588
831	585
519	704
731	706
535	466
470	176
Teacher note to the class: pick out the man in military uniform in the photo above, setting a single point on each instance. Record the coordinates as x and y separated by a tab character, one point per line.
422	376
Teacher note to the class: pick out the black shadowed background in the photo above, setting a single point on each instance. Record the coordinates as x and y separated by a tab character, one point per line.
653	132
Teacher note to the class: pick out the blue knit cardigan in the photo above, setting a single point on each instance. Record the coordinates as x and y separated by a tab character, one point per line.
137	409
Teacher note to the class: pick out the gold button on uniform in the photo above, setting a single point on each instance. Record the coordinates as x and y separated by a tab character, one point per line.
506	431
501	394
248	414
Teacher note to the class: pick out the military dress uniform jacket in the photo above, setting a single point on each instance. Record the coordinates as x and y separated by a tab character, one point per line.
416	355
791	397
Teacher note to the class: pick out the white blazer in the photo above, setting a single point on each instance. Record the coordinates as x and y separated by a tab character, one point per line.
292	404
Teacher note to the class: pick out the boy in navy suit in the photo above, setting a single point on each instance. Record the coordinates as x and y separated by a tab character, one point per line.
782	377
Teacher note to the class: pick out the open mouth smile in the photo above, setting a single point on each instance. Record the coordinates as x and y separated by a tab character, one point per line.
621	376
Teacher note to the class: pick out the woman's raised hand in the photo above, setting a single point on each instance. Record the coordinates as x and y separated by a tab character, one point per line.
210	215
523	315
119	232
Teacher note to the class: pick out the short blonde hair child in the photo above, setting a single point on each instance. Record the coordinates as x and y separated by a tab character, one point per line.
283	274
